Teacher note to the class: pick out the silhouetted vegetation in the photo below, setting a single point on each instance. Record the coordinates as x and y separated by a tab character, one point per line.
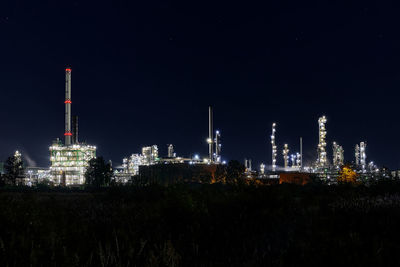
14	169
234	171
201	225
98	173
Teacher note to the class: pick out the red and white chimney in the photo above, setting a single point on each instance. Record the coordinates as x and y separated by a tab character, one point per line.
68	133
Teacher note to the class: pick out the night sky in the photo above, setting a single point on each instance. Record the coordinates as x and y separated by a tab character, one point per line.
144	72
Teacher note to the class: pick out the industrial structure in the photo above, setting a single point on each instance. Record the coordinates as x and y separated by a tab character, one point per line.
70	158
149	156
322	168
274	148
218	147
247	165
322	159
298	160
338	155
69	161
301	153
262	168
214	144
363	156
285	154
210	134
171	153
357	154
293	160
36	175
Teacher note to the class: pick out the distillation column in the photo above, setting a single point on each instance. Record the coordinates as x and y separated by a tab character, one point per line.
274	150
285	154
322	160
218	147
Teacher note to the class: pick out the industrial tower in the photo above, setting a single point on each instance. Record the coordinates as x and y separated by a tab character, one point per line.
322	159
69	160
274	149
214	144
338	155
210	134
285	153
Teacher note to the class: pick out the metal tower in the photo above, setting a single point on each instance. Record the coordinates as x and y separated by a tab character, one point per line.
322	159
363	155
218	147
338	155
274	149
210	134
285	153
68	133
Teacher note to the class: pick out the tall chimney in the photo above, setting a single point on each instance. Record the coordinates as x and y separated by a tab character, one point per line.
210	133
68	133
75	139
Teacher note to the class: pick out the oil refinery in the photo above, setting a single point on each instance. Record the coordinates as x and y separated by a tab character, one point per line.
322	167
69	159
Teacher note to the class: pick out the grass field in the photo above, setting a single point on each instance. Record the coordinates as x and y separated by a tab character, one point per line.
201	225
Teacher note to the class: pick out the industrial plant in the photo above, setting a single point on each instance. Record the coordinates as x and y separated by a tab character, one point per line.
322	167
132	165
69	159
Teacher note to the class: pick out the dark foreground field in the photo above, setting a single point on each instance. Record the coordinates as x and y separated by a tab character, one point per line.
202	226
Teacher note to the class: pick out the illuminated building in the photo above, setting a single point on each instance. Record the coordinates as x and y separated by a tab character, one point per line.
70	160
150	155
69	163
131	165
35	175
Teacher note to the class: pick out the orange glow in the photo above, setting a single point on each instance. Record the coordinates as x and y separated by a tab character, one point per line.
347	175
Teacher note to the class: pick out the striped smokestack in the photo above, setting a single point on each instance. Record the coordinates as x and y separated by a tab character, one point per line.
68	133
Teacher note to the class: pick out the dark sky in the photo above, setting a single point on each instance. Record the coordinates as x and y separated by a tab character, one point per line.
144	72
